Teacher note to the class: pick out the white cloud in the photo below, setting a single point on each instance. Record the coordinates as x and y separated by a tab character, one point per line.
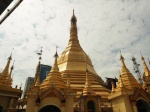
105	26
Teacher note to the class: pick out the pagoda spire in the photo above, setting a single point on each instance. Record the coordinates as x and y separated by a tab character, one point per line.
37	83
146	70
4	77
55	66
9	79
127	79
37	75
37	78
87	88
73	29
6	69
73	19
124	68
11	69
54	78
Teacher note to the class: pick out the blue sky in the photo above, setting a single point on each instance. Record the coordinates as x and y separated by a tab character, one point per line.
104	27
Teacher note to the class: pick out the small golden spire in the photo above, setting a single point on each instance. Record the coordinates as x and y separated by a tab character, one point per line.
37	74
11	69
122	59
146	70
124	68
73	19
56	55
87	88
9	79
129	80
55	66
54	78
37	83
5	78
6	69
73	29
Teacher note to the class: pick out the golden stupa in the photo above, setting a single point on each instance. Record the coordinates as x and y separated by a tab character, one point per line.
54	78
75	61
73	85
8	94
5	77
127	77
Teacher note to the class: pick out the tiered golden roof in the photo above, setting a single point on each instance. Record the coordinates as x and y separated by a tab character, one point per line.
126	82
5	77
74	59
127	78
54	78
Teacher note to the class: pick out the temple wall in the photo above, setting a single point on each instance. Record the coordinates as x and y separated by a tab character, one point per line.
121	104
4	101
30	104
50	101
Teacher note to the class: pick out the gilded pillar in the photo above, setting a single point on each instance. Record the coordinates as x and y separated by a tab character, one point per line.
69	103
134	107
36	108
30	104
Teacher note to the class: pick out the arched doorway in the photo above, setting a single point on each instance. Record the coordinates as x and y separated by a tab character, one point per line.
49	108
1	108
91	106
142	106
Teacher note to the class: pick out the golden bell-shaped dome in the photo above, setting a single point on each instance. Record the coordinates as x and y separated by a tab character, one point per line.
73	58
76	61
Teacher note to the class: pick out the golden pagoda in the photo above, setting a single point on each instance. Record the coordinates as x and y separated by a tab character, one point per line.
74	59
8	94
5	77
71	80
127	78
128	96
54	78
73	85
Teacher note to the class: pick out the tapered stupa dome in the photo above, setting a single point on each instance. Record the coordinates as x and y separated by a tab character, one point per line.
74	61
